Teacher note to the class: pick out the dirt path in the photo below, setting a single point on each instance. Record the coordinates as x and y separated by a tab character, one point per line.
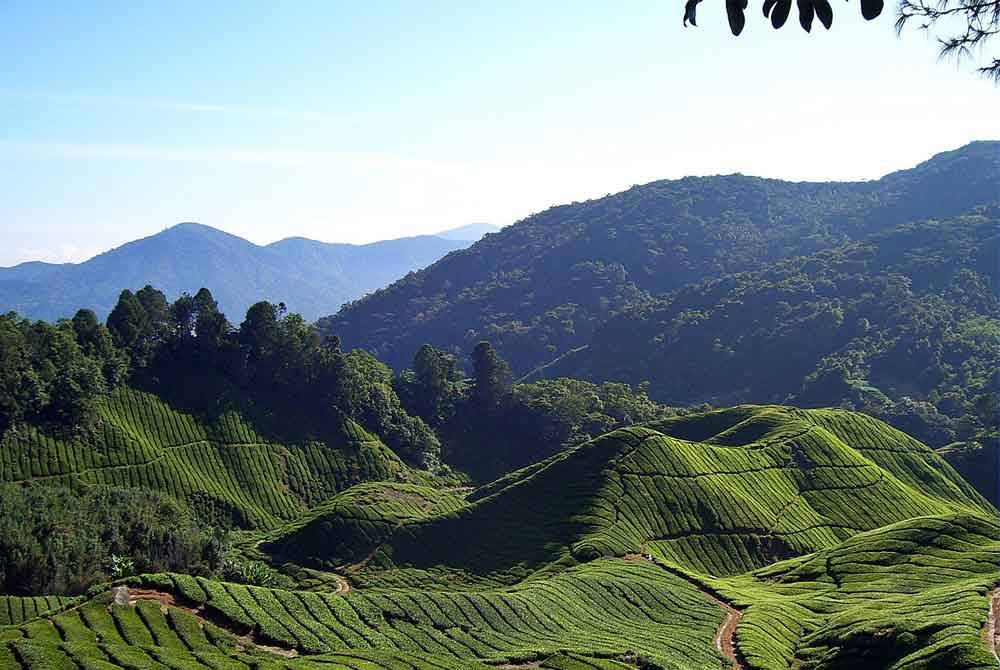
725	637
991	632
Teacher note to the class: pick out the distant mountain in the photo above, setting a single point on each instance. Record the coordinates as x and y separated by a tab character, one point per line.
543	286
312	278
469	233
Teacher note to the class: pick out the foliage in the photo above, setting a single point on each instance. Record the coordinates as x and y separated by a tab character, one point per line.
254	573
778	10
55	373
121	566
910	595
719	492
902	326
60	539
968	24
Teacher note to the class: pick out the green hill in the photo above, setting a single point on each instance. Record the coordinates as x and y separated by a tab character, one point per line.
220	465
720	493
544	285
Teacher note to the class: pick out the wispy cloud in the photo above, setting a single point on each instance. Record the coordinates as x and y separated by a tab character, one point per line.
166	105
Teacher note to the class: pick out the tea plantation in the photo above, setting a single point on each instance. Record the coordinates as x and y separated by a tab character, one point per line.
222	462
754	537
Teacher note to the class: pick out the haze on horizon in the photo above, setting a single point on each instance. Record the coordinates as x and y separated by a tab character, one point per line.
350	123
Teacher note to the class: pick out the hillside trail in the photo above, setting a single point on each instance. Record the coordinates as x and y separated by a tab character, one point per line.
991	632
725	636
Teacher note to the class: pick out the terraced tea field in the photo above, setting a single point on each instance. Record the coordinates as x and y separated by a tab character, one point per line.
757	538
761	485
142	442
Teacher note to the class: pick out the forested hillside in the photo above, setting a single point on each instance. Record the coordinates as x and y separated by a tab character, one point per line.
312	278
903	326
544	285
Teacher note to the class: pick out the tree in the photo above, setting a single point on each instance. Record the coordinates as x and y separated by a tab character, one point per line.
434	392
210	326
96	342
981	20
968	23
127	321
20	388
489	374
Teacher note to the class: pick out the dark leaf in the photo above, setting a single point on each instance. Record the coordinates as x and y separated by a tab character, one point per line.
779	15
824	12
806	14
768	6
690	11
737	19
871	8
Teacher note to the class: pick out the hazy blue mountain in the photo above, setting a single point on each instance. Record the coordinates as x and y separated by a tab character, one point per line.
469	233
312	278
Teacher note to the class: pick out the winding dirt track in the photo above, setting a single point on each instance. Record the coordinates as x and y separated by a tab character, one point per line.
725	637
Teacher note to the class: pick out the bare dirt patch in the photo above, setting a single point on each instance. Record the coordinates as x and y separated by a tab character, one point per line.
991	632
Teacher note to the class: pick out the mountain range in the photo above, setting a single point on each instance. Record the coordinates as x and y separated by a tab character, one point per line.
311	278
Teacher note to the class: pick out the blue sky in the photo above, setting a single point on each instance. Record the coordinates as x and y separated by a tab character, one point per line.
357	121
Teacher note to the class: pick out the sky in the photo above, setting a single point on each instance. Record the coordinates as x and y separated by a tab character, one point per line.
375	119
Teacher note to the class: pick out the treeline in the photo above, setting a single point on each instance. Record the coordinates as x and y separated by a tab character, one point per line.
274	365
54	373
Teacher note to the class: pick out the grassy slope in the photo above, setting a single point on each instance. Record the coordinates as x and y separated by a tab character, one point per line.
223	462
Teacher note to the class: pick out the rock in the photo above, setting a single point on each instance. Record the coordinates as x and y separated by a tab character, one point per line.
120	595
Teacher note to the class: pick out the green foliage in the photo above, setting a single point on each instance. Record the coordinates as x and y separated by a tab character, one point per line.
55	373
350	526
534	421
902	327
121	566
59	540
255	573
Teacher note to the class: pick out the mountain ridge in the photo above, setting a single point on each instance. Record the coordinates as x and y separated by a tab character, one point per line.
309	276
542	286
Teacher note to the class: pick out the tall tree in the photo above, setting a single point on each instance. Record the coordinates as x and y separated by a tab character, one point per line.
434	390
489	374
127	321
